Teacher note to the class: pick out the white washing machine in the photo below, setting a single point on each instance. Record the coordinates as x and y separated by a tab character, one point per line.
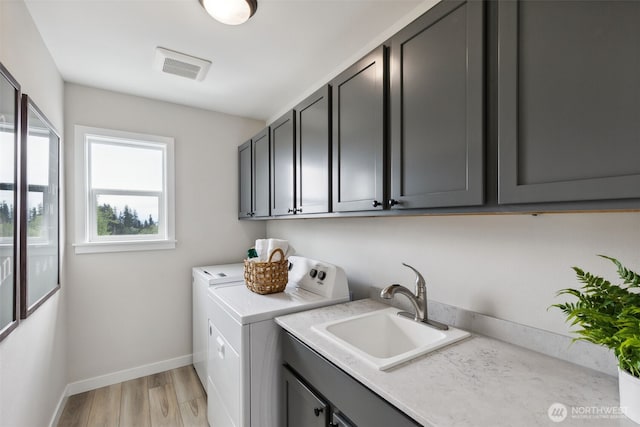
244	387
203	279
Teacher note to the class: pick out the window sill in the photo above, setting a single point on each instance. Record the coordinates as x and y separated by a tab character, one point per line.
139	245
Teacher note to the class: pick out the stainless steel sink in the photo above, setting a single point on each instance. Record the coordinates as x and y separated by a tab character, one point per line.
383	339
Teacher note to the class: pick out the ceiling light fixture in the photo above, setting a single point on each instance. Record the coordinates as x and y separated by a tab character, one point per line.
230	12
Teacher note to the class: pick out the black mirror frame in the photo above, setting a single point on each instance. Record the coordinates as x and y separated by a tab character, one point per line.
6	329
29	105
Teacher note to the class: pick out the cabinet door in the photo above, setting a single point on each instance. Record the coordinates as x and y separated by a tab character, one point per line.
568	101
437	104
261	146
363	407
313	124
303	408
245	207
359	135
283	165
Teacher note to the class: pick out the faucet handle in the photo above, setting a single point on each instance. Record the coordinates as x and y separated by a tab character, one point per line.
420	283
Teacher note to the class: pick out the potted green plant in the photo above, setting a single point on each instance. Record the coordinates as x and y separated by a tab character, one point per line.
609	315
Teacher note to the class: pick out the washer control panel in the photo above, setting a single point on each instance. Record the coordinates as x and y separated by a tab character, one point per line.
318	277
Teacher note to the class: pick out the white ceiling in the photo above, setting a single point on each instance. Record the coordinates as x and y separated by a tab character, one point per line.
258	68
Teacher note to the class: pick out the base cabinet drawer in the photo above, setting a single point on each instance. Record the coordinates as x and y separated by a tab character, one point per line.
350	404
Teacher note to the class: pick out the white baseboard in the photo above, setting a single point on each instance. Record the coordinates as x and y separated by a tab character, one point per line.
128	374
60	407
117	377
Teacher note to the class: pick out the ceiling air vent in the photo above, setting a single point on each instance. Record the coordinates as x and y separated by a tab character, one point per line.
180	64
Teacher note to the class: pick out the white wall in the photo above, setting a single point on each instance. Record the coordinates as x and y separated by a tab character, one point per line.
33	371
506	266
134	308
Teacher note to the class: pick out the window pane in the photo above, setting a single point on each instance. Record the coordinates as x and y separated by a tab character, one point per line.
42	209
35	215
38	155
124	167
118	215
6	216
8	114
6	184
6	151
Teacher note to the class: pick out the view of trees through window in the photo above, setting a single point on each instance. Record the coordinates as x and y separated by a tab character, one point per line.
111	221
6	219
35	220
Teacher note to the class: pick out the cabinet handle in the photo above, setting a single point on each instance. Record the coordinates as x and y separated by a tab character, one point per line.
290	210
376	204
317	411
393	202
299	210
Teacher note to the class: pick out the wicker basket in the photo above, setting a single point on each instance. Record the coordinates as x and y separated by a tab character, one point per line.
267	277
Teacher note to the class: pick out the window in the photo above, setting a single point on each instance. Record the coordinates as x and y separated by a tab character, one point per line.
39	213
124	191
9	113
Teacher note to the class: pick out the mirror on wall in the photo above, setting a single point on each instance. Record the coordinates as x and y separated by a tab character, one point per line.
39	235
9	120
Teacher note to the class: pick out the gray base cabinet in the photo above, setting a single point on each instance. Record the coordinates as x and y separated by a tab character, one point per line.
569	100
437	108
320	394
303	407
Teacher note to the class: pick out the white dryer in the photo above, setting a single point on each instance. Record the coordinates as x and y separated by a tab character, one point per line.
243	388
203	279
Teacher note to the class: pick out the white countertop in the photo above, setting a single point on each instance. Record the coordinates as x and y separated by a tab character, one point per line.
476	382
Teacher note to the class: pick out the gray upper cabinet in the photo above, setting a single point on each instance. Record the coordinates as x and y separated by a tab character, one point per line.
359	135
261	148
313	145
283	165
568	101
253	158
437	108
245	208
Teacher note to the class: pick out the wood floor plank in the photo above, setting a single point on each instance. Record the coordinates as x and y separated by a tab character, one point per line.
194	413
187	384
167	399
76	410
105	409
163	407
134	404
159	379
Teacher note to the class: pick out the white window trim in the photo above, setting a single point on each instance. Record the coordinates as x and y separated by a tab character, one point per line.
84	199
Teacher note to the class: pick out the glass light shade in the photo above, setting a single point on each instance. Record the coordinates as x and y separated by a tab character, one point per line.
230	12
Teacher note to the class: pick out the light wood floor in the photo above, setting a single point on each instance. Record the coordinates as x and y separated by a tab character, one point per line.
169	399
